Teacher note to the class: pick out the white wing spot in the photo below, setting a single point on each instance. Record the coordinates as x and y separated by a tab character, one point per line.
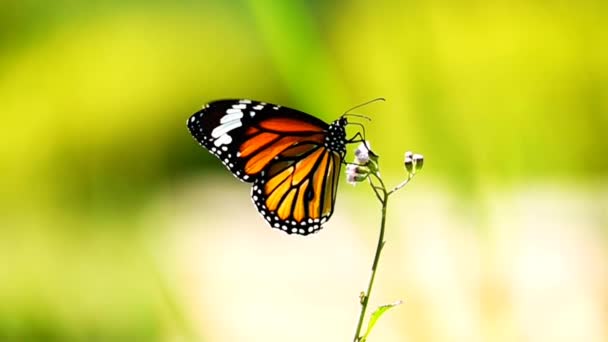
231	117
233	111
225	128
223	140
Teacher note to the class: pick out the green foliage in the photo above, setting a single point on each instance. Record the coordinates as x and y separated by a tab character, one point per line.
376	316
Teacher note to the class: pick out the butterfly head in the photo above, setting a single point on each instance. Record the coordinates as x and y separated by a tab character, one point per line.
359	136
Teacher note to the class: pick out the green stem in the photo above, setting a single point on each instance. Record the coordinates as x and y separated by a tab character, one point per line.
379	247
402	184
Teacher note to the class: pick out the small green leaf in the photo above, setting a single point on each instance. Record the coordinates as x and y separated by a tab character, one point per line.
376	315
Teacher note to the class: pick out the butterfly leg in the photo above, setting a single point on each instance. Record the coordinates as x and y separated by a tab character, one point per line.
358	137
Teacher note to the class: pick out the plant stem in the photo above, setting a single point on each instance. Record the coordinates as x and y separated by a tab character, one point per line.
402	184
379	247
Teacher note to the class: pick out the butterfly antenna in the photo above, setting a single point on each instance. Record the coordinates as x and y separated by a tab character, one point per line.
358	115
364	104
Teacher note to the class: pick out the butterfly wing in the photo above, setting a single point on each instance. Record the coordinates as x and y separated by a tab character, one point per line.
246	135
284	152
297	192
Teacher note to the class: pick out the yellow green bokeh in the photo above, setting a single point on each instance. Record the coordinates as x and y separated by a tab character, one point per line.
102	185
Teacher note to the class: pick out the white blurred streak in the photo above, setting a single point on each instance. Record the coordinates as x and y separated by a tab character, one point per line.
525	265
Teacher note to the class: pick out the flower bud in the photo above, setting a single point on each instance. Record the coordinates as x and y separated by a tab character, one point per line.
409	161
418	161
362	153
356	173
365	156
413	162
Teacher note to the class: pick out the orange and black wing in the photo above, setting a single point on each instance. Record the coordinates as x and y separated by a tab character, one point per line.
297	192
292	158
246	135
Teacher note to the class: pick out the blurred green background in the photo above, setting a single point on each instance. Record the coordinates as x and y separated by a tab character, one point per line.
116	226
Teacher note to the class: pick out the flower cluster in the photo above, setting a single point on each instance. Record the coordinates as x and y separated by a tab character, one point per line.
413	162
366	162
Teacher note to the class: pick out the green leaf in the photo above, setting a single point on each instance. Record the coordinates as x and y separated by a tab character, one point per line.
376	315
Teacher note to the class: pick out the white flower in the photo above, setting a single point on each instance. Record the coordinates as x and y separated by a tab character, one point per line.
362	153
356	173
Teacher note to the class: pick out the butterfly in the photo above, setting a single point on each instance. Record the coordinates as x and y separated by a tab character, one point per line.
292	158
